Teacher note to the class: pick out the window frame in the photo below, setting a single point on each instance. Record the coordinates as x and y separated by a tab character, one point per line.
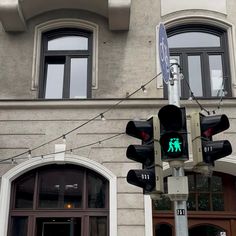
204	53
84	212
66	55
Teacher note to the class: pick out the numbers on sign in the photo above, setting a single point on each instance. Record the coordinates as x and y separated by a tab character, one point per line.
145	176
208	149
180	212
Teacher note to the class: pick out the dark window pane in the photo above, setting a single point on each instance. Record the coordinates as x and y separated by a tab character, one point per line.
216	184
97	226
59	226
191	183
78	78
163	230
54	81
96	191
216	73
60	188
193	39
195	75
163	204
191	203
204	202
19	226
218	202
25	192
206	230
202	183
68	43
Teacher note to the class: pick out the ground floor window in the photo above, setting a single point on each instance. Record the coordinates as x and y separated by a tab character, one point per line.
211	207
65	200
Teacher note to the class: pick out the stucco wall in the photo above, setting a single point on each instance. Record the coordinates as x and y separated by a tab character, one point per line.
126	60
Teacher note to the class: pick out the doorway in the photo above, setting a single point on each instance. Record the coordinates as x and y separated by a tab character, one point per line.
58	226
196	227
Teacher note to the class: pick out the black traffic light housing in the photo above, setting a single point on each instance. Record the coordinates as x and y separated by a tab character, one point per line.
150	177
173	133
205	150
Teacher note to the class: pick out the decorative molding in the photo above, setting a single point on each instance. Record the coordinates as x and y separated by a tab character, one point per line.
119	14
204	19
28	165
56	24
170	6
11	16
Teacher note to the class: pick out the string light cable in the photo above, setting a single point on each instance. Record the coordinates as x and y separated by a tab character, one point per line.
63	136
192	96
70	150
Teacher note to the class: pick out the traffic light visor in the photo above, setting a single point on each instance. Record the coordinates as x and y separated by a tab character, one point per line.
140	129
170	117
211	125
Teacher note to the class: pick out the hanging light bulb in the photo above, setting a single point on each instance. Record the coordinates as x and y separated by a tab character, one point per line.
102	117
71	151
64	138
191	97
144	89
12	161
29	154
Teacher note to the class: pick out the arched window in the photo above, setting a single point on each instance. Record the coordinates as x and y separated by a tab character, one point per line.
205	194
66	64
64	199
202	53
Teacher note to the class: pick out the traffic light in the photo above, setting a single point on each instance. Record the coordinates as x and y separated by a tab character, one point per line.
150	177
205	150
173	133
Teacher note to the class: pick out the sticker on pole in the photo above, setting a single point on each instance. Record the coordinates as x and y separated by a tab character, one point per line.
164	55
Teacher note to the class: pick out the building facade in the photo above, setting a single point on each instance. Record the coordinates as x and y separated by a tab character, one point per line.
72	76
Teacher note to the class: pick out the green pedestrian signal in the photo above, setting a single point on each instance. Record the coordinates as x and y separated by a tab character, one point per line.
173	133
174	145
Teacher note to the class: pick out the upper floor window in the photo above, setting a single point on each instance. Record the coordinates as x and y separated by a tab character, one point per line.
202	53
66	64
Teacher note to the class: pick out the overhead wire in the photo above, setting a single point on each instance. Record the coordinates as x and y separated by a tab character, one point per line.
29	151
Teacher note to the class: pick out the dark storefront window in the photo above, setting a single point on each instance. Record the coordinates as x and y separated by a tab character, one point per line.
59	198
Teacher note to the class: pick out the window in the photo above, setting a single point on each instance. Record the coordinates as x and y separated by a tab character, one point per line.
66	65
205	194
64	199
203	57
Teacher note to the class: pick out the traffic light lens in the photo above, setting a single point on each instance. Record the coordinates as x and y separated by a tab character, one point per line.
144	136
172	144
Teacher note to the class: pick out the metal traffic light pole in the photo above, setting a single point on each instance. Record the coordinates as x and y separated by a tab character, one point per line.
180	208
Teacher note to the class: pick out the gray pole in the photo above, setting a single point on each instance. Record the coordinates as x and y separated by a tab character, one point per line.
180	208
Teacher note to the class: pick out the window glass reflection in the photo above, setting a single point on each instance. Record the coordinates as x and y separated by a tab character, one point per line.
96	191
218	202
25	192
68	43
204	202
163	229
54	81
98	226
216	73
19	226
193	39
195	75
206	230
78	78
61	189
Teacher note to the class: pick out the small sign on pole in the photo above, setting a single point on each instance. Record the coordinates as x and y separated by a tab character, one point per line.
164	55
